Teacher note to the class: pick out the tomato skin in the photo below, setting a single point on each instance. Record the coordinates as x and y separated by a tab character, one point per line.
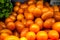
11	25
34	28
39	22
49	22
42	35
56	26
54	35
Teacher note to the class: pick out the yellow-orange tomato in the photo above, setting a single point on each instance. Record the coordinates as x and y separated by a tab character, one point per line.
24	6
31	8
28	23
24	22
20	11
8	20
47	15
14	14
4	35
56	8
11	25
30	36
34	28
16	33
40	6
17	4
19	26
2	25
51	9
49	22
42	35
6	31
39	21
37	12
57	16
24	32
20	17
12	17
54	35
45	9
16	8
30	2
11	38
23	38
39	3
29	16
56	26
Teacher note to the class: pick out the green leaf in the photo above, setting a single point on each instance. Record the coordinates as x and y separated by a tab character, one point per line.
6	15
1	15
4	10
2	1
7	4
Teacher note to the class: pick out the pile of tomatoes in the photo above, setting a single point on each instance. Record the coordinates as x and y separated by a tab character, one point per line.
32	21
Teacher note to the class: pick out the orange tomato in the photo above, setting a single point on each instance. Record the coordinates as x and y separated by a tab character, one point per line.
3	35
56	26
24	6
24	22
31	8
7	31
29	16
54	35
49	22
19	26
23	38
57	16
20	11
12	17
11	38
17	4
14	14
8	20
2	25
39	3
30	2
30	36
34	28
42	35
56	8
24	32
47	15
40	6
37	12
45	9
51	8
39	21
16	8
20	17
28	23
11	25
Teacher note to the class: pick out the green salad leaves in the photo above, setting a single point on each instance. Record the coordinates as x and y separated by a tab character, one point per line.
5	8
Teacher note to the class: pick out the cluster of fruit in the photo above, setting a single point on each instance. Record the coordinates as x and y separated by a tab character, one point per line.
32	21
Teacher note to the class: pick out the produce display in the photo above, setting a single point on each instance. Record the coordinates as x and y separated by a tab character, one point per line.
31	20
